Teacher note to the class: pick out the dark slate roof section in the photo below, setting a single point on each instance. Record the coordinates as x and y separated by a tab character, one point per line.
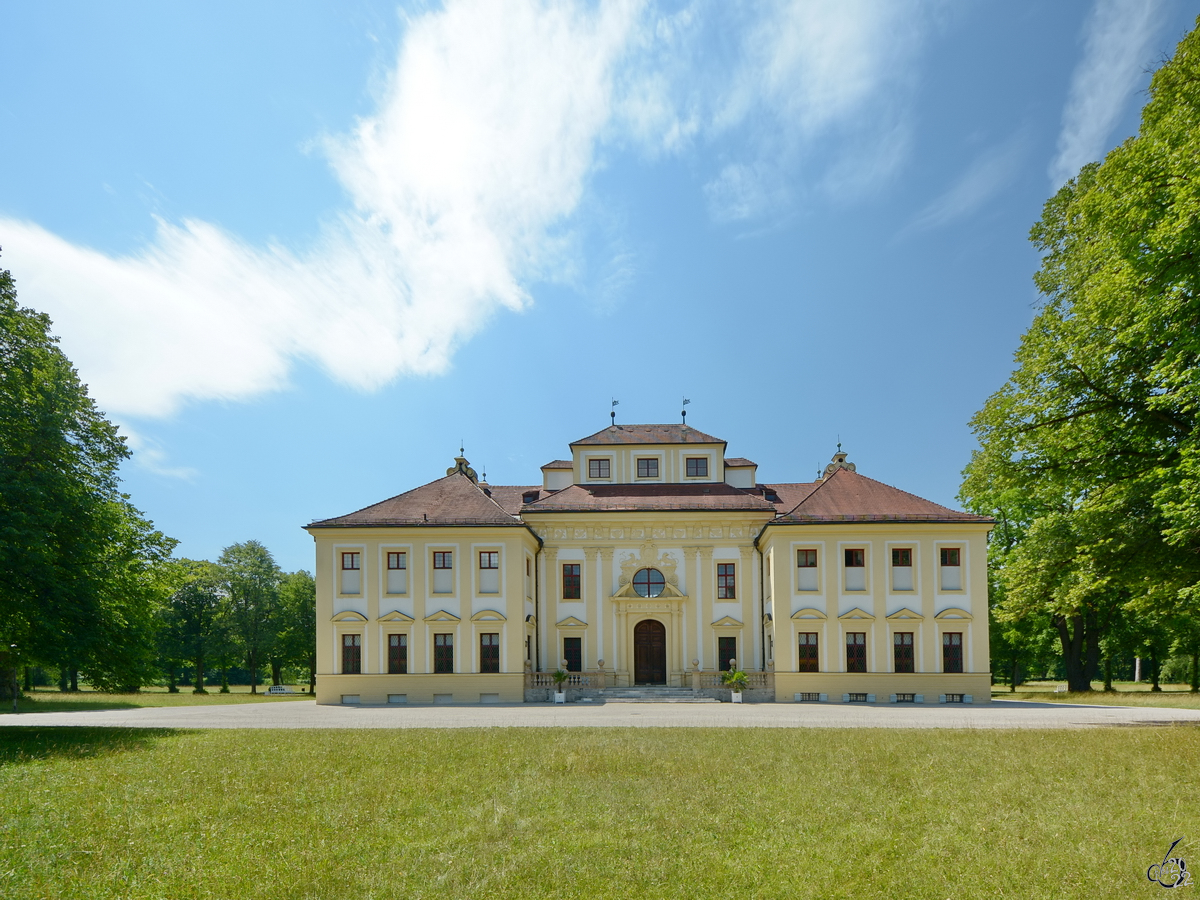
637	497
559	464
739	462
453	500
648	434
846	496
511	497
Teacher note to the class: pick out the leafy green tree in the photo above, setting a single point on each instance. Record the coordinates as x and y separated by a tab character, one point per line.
80	569
251	580
297	638
195	619
1096	430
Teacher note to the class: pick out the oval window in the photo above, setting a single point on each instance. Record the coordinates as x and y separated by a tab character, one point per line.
649	582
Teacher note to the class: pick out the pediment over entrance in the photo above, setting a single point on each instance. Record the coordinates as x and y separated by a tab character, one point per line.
648	556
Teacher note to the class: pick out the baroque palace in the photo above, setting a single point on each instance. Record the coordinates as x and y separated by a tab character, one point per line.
651	558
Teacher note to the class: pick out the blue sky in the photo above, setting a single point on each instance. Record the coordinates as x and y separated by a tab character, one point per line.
300	251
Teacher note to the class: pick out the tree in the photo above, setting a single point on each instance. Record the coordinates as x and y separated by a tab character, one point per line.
1095	433
297	641
195	618
80	568
251	580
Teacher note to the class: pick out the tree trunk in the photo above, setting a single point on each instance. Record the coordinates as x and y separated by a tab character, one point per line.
172	686
63	684
74	681
28	680
1077	648
312	674
198	681
253	673
1155	666
224	679
1195	671
1016	673
1108	673
276	672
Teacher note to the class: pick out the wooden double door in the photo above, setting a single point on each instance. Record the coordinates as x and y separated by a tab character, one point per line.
649	652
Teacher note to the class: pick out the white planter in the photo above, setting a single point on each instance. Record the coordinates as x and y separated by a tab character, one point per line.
736	696
560	696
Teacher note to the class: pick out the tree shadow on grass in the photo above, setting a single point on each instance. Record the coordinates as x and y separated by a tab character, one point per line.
24	744
33	704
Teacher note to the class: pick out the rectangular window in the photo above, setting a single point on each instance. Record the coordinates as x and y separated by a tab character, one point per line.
489	572
443	559
902	569
726	651
647	468
397	572
902	646
856	572
489	653
856	651
351	574
443	572
573	653
572	587
599	468
906	698
806	570
397	654
952	651
443	654
697	467
809	698
857	698
351	654
489	559
726	582
951	569
808	652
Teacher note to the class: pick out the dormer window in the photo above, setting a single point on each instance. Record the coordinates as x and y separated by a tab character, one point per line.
647	468
529	497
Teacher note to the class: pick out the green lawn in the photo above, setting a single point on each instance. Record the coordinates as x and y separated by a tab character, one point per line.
53	700
1174	696
593	813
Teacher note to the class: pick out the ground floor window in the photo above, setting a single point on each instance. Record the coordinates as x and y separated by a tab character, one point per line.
351	654
573	653
443	654
856	651
952	651
726	651
808	652
489	653
902	647
397	654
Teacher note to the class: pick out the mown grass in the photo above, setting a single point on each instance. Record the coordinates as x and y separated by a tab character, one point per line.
1172	696
595	813
53	700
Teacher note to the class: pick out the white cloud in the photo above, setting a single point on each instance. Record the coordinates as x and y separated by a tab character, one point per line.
479	151
984	178
1117	49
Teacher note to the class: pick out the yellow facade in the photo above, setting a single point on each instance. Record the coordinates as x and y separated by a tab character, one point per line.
649	567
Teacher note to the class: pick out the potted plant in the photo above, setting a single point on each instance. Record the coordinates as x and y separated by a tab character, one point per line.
736	681
560	679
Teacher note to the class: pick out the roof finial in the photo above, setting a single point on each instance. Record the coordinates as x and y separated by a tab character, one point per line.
613	413
683	412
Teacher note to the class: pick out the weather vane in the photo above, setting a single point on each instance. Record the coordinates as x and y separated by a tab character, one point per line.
613	413
683	412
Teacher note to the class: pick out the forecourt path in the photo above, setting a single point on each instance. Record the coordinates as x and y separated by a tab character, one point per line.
307	714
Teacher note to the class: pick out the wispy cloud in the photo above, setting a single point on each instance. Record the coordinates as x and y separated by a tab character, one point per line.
464	188
983	179
478	153
1117	49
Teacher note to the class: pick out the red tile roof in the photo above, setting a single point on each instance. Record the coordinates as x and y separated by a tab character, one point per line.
846	496
631	497
453	500
648	434
559	464
739	462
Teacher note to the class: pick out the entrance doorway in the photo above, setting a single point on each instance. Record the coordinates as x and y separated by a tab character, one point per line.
649	652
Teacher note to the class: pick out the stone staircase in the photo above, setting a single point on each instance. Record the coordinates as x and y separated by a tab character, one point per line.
647	694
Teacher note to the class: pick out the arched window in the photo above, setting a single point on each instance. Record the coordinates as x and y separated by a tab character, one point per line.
648	582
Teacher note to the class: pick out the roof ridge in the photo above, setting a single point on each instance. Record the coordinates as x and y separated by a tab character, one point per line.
820	484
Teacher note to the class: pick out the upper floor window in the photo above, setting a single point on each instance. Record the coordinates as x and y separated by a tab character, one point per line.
397	572
649	582
806	570
697	467
726	578
856	572
572	588
489	559
489	572
443	559
902	569
351	574
599	468
443	572
647	468
951	569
